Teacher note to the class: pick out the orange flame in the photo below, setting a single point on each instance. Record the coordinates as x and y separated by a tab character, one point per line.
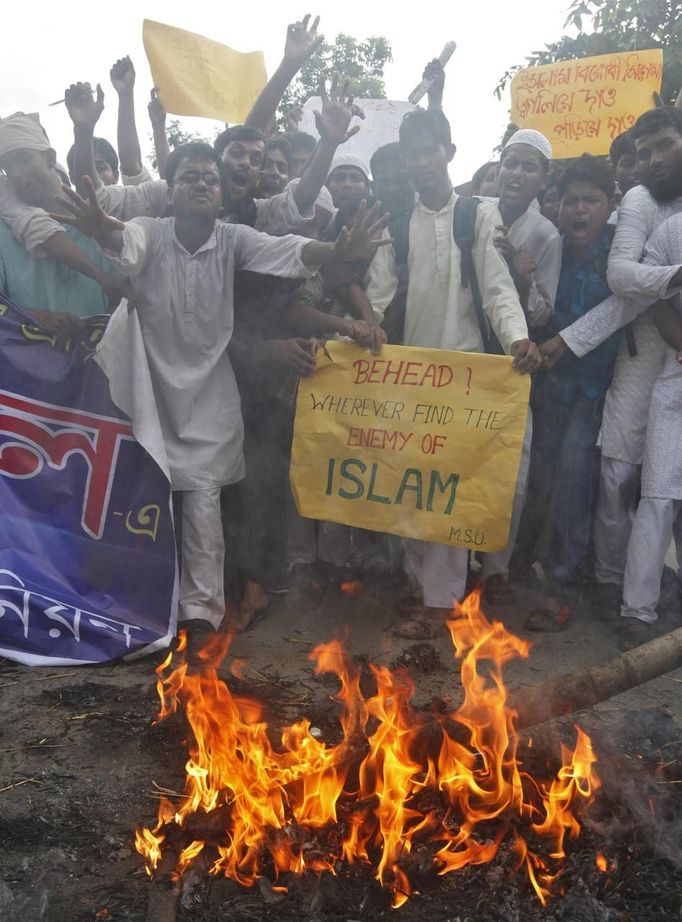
253	805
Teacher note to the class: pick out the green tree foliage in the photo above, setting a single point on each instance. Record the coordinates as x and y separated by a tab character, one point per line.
619	25
361	62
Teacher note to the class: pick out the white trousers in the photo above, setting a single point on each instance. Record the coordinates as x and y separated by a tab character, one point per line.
497	563
202	593
652	533
438	570
618	487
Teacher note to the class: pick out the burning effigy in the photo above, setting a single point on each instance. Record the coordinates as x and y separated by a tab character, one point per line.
451	786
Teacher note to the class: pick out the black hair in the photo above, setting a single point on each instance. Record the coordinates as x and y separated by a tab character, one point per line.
655	120
236	133
279	142
103	151
479	176
621	146
588	169
194	150
425	122
302	141
387	154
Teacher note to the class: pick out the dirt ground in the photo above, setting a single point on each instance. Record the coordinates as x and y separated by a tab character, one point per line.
79	759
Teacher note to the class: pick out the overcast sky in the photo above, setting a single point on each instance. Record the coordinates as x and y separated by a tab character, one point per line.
48	46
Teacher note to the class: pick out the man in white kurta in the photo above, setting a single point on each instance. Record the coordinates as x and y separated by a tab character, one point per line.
440	314
661	497
182	274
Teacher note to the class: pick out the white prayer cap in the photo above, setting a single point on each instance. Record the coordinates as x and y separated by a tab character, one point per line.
532	138
22	132
349	160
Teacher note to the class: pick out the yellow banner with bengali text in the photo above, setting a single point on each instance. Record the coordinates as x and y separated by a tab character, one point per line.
582	105
423	443
197	76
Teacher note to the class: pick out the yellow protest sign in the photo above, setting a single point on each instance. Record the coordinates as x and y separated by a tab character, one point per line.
197	76
582	105
423	443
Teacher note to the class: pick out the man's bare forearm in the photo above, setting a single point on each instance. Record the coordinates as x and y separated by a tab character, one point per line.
84	159
61	247
129	152
265	107
314	175
161	149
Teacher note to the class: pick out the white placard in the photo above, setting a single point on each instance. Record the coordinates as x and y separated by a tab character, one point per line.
380	125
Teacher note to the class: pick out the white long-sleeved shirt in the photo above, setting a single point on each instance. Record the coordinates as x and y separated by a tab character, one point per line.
636	285
440	313
185	308
534	233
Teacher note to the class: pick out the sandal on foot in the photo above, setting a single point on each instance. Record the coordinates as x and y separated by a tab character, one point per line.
548	620
498	591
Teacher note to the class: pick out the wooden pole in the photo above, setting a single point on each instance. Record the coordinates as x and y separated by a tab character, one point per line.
589	686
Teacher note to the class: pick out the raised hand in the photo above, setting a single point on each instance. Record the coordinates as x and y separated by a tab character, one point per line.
157	113
87	217
364	237
337	111
302	41
123	75
84	108
435	72
293	118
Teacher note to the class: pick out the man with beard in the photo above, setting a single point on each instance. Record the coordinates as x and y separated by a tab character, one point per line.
657	135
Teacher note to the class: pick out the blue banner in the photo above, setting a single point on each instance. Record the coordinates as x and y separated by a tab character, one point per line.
87	549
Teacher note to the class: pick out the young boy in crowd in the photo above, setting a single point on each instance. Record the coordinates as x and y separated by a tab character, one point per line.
569	403
440	314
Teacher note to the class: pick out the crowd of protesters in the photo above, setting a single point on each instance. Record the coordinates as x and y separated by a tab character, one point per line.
254	249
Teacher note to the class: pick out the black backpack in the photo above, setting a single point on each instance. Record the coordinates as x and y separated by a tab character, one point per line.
464	235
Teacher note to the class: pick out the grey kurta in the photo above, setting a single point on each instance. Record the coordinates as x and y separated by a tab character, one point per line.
185	307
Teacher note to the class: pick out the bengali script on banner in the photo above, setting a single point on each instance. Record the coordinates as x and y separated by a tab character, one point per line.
87	547
197	76
582	105
423	443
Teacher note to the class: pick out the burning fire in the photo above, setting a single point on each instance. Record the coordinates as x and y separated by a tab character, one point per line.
398	778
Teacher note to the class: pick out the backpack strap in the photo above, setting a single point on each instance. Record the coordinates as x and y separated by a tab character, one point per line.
394	318
464	233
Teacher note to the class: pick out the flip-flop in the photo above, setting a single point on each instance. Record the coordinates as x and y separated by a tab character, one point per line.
419	629
548	620
249	618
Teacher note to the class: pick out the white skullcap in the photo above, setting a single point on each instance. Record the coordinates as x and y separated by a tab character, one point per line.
532	138
349	160
22	132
